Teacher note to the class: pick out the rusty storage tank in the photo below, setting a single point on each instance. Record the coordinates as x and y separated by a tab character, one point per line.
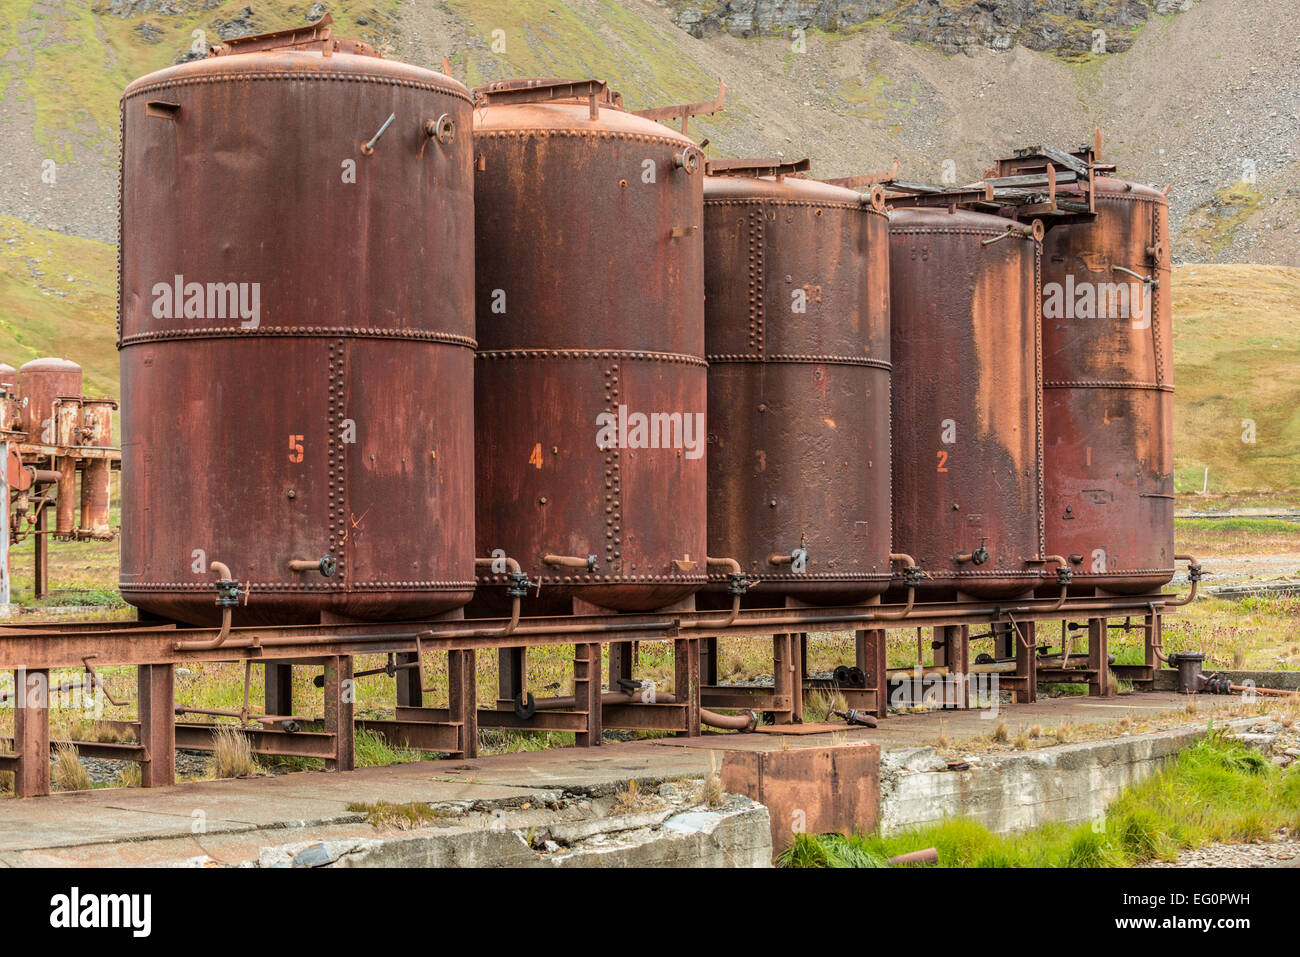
1108	391
41	383
797	338
967	454
590	380
296	375
8	377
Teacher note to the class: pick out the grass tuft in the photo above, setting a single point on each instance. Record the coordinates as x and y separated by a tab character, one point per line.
67	774
232	755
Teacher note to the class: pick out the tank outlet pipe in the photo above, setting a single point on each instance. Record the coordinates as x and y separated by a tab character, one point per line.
799	556
227	601
977	557
570	561
1063	578
912	576
737	584
516	587
1194	573
327	565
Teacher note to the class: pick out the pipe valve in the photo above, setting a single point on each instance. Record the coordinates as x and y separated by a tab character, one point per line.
739	584
517	585
227	593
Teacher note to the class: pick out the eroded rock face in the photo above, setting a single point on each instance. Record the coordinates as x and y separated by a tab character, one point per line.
1069	27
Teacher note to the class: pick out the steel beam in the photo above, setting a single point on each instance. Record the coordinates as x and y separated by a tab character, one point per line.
156	699
32	733
340	695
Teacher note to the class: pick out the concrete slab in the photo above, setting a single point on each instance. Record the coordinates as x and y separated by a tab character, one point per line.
232	818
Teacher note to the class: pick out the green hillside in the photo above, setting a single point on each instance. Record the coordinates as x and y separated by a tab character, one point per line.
71	60
58	297
1237	357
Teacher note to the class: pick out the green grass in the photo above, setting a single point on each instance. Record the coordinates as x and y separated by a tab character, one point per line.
1236	358
1217	791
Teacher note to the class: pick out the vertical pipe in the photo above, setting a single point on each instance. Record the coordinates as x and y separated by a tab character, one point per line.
66	515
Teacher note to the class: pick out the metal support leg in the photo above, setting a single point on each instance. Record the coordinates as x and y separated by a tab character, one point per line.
953	651
340	694
41	553
586	692
686	682
709	661
1026	692
870	656
1098	658
1152	639
409	692
156	707
32	733
1004	640
787	679
620	663
279	688
462	699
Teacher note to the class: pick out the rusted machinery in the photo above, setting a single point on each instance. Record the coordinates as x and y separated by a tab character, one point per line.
297	373
590	380
298	418
797	337
59	452
967	459
1107	374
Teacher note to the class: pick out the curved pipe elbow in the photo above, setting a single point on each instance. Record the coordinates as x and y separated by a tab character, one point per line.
512	566
1193	576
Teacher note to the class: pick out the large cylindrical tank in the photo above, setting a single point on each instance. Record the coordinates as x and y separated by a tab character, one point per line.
296	334
1108	391
797	338
8	376
967	454
590	380
41	383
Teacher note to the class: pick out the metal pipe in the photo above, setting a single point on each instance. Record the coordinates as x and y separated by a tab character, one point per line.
928	856
1063	575
570	561
908	563
739	587
512	568
726	722
1193	576
223	572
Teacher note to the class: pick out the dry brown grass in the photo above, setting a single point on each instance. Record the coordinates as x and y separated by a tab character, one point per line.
1001	734
232	755
711	794
129	776
631	798
1035	731
67	773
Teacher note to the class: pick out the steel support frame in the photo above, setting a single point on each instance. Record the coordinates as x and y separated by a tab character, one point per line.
153	647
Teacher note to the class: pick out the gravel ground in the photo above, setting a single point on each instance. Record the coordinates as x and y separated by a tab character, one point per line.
1283	852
